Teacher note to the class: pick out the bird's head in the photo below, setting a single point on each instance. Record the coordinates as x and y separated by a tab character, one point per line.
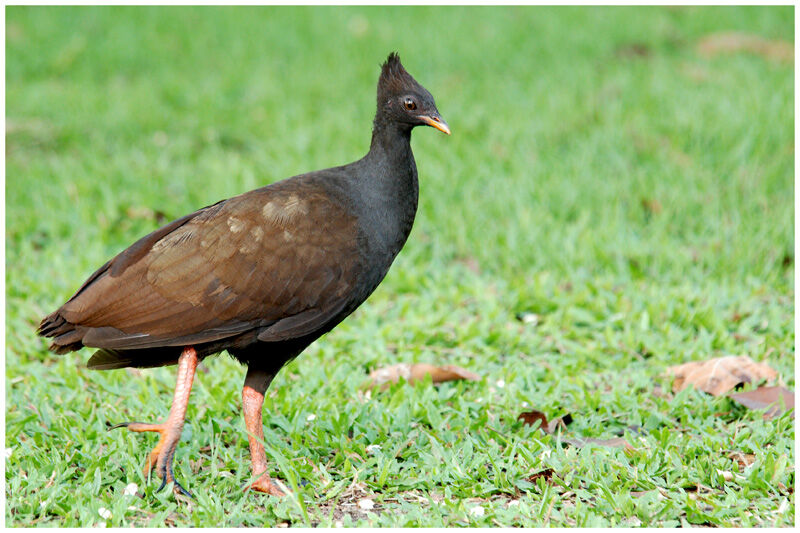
404	100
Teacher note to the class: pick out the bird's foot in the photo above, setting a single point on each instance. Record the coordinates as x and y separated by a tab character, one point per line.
268	485
160	457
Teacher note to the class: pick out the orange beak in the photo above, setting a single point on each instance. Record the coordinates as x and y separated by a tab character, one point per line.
435	121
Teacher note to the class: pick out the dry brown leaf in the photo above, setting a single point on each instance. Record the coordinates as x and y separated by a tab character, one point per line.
777	399
616	442
633	50
744	459
414	372
651	206
530	417
732	42
546	474
719	375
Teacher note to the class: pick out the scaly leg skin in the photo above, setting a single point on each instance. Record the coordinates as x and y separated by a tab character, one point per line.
255	385
161	456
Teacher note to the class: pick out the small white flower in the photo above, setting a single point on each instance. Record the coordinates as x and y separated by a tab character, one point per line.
477	511
9	452
311	417
373	448
131	489
513	503
104	513
501	383
366	504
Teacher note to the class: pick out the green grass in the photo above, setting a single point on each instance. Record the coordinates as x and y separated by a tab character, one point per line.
603	174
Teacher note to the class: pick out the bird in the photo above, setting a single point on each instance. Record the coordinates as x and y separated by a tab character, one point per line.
260	275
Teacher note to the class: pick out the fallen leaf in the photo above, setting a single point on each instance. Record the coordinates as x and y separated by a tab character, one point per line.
744	459
633	50
418	371
616	442
778	400
732	42
651	206
719	375
546	474
530	417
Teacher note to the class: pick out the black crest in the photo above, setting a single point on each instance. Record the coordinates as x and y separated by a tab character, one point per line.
394	78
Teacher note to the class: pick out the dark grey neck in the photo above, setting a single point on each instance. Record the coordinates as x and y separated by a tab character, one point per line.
389	135
390	192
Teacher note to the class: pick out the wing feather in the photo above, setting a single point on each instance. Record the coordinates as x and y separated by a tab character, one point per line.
280	260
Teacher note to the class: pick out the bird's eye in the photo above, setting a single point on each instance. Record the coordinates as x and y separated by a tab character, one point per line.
410	104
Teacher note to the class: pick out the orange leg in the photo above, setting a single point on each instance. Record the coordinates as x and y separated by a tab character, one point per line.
161	456
255	385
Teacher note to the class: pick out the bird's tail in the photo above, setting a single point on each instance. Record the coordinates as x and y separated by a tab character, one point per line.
104	359
66	336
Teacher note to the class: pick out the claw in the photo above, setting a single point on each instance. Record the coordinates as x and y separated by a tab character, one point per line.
162	455
268	486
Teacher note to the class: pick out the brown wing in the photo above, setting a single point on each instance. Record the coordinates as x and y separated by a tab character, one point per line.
282	259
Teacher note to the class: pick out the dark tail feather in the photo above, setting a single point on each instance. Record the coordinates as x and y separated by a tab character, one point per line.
111	359
66	336
108	360
53	324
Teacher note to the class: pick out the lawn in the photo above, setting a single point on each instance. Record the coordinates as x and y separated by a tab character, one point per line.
617	197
